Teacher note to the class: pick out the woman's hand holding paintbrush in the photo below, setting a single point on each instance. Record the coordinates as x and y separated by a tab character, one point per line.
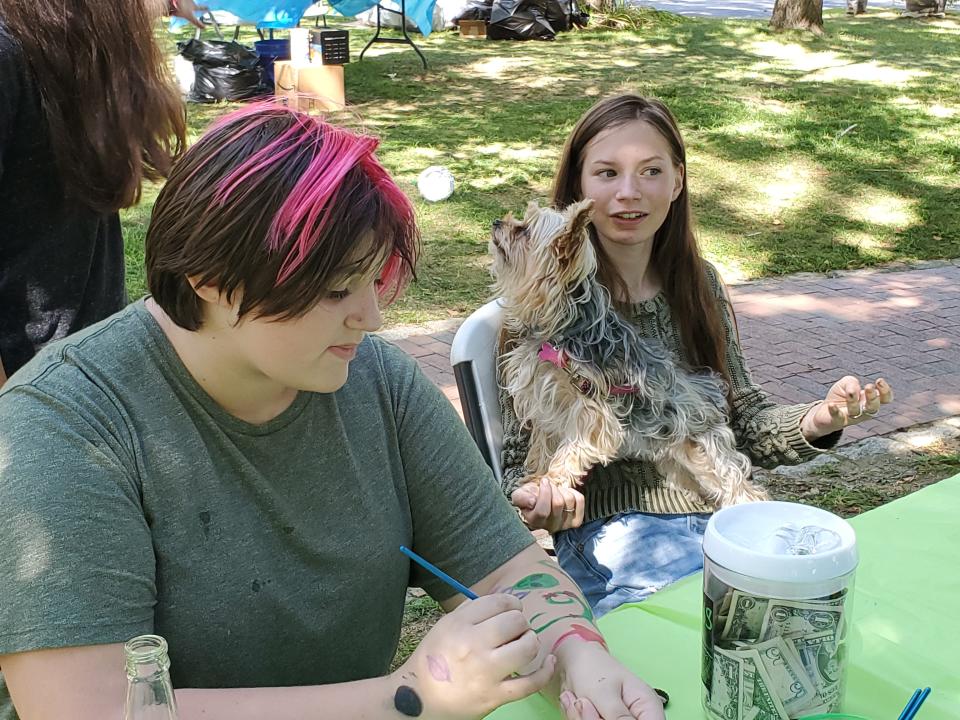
470	661
533	621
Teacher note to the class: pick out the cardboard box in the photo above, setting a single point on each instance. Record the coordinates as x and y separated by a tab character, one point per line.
473	28
309	87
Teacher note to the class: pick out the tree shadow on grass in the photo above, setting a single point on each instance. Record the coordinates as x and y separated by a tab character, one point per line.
747	99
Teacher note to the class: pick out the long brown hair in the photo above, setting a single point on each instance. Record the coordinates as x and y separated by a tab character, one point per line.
676	253
114	117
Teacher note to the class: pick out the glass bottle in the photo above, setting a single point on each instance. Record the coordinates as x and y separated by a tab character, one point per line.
149	690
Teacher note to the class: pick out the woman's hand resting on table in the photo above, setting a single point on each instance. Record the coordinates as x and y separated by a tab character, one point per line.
846	404
464	667
595	686
544	506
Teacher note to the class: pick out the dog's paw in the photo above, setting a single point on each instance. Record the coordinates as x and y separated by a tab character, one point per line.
747	493
691	495
562	481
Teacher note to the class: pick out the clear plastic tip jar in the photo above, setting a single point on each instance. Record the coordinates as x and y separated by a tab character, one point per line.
777	598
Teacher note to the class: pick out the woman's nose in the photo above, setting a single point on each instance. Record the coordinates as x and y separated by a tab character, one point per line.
366	314
628	187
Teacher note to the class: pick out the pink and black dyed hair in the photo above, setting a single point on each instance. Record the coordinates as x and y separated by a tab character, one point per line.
280	206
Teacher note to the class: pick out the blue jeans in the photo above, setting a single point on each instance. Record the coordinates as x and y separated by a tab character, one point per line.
628	557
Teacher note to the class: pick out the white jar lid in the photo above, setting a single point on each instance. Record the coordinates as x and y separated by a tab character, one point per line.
781	542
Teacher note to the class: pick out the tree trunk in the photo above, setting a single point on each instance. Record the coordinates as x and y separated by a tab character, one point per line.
926	7
856	7
798	15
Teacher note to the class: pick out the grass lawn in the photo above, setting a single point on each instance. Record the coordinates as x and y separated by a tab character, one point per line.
805	153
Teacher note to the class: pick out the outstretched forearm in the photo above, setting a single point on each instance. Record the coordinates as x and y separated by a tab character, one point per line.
553	605
92	678
374	698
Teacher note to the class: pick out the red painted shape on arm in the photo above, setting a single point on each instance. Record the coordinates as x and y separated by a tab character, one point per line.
582	632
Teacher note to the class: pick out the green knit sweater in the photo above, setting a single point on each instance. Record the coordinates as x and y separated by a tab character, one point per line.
766	432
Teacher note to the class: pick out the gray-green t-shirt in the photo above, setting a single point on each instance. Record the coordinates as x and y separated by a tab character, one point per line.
130	502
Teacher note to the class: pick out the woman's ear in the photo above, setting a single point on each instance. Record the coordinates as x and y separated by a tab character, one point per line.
208	293
677	182
222	305
213	295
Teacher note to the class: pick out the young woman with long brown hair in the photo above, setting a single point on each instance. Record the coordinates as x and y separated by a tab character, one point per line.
627	535
86	115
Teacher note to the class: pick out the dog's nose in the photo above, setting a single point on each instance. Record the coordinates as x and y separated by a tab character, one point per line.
497	224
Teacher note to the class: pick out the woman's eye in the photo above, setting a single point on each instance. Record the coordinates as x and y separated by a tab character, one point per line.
654	171
607	173
337	294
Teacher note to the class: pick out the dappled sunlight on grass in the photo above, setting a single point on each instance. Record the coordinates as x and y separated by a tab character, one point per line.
496	67
882	208
731	270
523	152
942	111
787	187
487	183
867	72
827	66
866	243
950	24
767	191
793	56
772	106
804	153
663	49
429	153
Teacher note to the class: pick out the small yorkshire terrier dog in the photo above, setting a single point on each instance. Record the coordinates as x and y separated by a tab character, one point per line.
588	386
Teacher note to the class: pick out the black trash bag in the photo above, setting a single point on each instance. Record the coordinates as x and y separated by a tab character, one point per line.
520	20
476	10
223	70
575	15
559	14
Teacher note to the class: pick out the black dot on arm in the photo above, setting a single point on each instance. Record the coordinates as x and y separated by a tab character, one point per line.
407	702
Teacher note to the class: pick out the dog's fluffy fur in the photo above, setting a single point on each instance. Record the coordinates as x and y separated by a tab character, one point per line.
544	269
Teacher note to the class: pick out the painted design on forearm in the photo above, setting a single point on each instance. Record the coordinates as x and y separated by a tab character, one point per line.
537	581
584	633
439	668
564	597
407	702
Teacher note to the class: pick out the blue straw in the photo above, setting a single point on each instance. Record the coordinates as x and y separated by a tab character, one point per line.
459	587
915	702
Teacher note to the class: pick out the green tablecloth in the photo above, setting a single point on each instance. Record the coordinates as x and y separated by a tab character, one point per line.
905	633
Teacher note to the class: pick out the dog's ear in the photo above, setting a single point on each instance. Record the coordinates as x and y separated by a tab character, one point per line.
568	242
532	209
578	216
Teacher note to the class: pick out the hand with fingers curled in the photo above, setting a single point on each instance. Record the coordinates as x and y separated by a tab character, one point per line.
846	403
595	686
471	662
188	10
545	506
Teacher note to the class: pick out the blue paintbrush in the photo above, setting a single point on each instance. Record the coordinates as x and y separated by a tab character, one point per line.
459	587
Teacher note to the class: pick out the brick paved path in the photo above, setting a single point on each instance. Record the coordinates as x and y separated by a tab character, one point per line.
803	332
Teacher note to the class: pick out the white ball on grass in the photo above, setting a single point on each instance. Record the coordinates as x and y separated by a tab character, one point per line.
435	183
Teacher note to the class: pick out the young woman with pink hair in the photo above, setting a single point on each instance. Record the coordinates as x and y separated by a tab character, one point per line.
234	462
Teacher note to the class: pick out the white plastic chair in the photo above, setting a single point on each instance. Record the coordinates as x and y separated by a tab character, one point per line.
473	355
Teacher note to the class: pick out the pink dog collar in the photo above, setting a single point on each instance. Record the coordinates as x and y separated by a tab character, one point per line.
556	356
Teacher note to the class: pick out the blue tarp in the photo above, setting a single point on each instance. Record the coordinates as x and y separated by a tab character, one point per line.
420	11
287	13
